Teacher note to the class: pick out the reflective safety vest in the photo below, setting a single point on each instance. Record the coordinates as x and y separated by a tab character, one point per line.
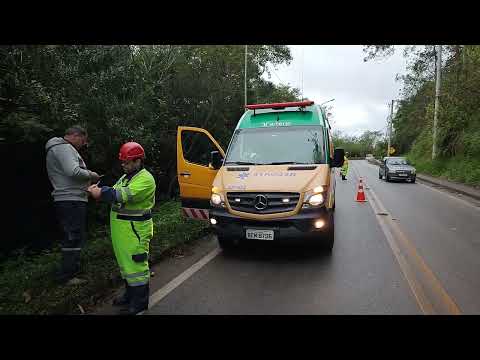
344	169
135	197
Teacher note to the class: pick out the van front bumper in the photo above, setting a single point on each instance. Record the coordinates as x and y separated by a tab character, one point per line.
290	229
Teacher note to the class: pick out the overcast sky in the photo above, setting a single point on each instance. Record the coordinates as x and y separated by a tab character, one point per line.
362	90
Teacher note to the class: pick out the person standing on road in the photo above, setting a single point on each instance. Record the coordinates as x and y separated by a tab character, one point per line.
344	169
131	225
70	179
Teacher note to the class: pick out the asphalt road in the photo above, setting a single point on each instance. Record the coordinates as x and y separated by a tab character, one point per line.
410	249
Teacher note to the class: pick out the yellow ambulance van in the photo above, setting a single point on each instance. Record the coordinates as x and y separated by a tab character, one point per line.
276	181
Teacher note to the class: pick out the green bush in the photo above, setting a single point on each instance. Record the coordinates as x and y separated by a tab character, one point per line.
459	168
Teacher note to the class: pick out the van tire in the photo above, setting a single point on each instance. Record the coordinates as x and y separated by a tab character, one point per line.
387	178
379	176
330	235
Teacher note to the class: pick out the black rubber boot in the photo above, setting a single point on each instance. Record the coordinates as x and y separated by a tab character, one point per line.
139	299
124	299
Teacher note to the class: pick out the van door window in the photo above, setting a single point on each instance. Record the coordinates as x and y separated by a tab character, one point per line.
197	147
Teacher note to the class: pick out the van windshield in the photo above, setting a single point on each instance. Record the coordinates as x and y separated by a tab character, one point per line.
277	145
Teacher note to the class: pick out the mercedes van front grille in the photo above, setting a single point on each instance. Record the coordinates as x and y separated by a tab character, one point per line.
263	202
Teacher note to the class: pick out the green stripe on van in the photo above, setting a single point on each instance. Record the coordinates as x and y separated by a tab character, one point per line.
279	118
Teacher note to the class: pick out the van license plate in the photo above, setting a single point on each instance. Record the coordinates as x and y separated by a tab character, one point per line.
402	174
260	234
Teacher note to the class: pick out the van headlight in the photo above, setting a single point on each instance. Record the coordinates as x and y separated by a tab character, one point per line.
316	199
216	199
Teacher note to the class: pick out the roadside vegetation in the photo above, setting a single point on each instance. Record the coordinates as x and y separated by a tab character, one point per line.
26	281
119	93
458	133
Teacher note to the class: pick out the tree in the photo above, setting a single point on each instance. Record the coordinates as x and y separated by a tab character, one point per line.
122	93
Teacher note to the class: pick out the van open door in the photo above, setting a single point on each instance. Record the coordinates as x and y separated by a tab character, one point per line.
194	172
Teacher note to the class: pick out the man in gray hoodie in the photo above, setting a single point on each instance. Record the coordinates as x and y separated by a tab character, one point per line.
70	179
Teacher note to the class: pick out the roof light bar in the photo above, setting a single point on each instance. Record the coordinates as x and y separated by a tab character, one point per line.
279	105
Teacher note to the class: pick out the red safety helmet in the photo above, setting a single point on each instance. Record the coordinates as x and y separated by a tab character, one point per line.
131	151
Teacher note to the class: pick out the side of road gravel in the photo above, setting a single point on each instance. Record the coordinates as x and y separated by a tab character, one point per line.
460	188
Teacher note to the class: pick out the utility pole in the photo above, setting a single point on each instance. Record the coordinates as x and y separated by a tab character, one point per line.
390	129
303	56
437	99
246	75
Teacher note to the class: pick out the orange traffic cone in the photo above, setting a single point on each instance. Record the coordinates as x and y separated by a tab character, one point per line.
360	193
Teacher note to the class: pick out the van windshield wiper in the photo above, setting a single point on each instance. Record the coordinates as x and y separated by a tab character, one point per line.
286	163
239	163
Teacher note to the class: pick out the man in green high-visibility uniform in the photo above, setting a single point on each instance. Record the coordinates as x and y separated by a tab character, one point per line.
131	225
344	168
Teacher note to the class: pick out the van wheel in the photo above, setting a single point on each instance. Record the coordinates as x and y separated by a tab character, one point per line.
379	176
330	236
327	243
387	178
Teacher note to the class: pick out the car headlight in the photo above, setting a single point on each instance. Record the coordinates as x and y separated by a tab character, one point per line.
391	171
414	171
216	199
316	199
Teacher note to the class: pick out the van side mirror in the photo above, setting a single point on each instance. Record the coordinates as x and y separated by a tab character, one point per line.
338	157
216	160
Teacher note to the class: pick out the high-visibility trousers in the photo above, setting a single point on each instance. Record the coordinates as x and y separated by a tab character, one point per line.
130	238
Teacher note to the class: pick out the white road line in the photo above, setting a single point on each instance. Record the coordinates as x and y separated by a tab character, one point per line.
172	285
431	297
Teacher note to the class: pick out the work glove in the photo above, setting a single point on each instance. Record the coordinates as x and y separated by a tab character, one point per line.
140	257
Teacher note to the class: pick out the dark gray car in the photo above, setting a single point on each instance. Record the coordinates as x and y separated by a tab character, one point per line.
396	168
